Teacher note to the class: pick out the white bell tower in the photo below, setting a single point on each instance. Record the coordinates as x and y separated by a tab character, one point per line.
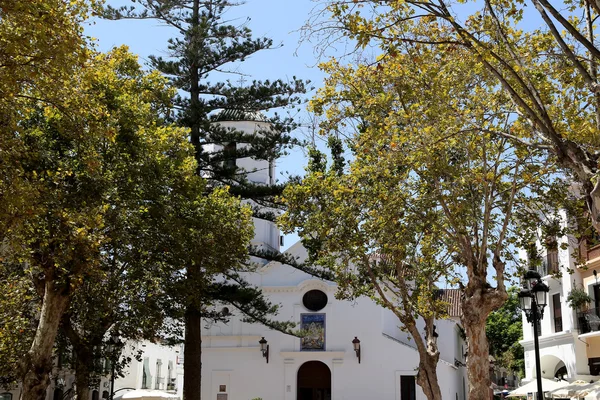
262	172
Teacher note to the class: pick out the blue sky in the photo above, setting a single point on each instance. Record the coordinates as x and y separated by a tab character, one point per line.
279	20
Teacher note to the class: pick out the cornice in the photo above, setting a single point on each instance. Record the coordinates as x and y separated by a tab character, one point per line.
304	286
550	340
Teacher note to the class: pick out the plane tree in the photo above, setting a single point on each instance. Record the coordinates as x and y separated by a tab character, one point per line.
429	185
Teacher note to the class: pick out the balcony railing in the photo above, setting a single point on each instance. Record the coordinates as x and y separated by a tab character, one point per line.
593	252
588	321
549	264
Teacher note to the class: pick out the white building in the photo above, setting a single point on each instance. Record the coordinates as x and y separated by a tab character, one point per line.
323	365
569	344
160	368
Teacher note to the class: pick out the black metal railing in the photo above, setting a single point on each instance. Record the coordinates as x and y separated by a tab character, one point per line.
588	321
549	265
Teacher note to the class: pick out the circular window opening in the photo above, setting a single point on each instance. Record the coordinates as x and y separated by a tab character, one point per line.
314	300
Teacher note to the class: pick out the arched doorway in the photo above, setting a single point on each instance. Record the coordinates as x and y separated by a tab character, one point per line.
314	381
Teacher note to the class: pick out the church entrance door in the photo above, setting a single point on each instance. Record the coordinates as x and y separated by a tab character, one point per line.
314	381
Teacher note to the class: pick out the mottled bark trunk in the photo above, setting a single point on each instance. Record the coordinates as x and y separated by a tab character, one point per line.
480	300
478	363
429	356
427	377
37	364
192	355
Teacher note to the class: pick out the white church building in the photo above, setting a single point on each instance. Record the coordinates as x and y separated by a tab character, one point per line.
323	365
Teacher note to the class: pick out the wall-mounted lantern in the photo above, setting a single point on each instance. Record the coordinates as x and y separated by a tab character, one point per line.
264	348
356	344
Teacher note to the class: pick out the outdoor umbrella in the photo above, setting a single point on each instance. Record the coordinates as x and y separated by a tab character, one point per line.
594	393
142	394
531	387
574	389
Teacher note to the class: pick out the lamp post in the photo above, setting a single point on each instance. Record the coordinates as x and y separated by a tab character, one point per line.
533	299
114	350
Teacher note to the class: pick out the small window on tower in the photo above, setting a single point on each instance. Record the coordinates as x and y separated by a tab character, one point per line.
229	155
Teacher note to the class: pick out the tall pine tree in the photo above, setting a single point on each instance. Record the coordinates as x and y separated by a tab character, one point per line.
205	45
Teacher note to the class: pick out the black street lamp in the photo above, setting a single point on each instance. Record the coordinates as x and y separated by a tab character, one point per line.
533	299
356	345
114	350
264	348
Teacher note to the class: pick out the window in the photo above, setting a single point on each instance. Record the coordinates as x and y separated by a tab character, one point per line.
5	396
594	364
146	377
229	156
551	261
95	395
557	313
314	300
596	292
159	378
408	388
170	379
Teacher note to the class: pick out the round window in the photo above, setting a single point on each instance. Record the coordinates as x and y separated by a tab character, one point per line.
314	300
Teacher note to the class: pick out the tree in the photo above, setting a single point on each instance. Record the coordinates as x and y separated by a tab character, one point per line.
153	195
352	225
504	329
204	47
421	123
102	168
549	75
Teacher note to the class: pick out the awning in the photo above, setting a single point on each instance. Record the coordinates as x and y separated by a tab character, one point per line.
547	386
577	389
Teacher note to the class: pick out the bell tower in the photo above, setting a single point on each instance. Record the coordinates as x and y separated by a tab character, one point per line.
261	172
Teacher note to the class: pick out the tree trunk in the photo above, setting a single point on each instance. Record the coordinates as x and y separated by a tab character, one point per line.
480	300
192	355
37	364
478	363
427	377
82	373
84	354
429	356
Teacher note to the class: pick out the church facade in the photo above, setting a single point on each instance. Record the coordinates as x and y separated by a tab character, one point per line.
350	351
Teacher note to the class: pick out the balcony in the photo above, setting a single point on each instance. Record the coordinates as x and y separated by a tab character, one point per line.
593	252
588	321
549	264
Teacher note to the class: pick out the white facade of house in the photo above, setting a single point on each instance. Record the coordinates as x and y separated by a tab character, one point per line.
163	369
233	366
564	342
